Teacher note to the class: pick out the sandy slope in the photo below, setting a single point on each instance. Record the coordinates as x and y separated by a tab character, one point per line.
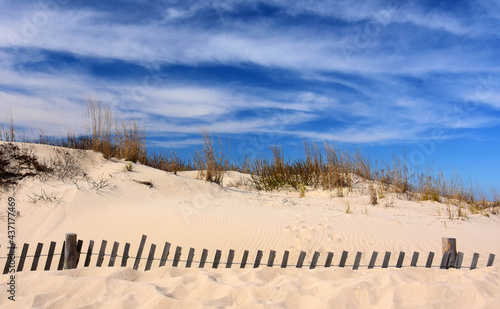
191	213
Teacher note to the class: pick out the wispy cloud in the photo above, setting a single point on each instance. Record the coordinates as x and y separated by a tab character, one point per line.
349	71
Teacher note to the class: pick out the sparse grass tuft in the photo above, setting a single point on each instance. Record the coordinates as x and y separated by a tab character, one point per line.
129	167
373	195
211	165
148	183
44	196
348	208
302	188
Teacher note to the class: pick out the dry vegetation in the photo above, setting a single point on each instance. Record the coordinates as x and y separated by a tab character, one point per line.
326	167
210	164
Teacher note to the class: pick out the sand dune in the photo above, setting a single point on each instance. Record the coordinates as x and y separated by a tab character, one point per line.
192	213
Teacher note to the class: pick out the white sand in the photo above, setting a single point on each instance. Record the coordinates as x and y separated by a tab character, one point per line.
192	213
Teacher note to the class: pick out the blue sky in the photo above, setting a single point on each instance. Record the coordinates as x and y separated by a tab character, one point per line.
381	75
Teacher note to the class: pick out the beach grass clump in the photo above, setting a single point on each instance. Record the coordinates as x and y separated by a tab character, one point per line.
119	139
169	162
329	169
211	164
373	195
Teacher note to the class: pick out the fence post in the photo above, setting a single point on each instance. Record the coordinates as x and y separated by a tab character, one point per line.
70	254
450	245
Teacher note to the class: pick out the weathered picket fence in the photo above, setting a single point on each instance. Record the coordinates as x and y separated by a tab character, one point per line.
71	252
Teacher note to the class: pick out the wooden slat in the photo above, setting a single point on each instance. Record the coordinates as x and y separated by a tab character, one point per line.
126	255
244	259
475	258
230	258
10	257
414	259
258	258
401	259
373	259
343	259
444	260
428	264
314	260
189	261
50	255
203	259
272	256
114	253
460	258
284	262
491	259
89	254
100	257
139	252
20	266
60	266
36	258
177	256
79	246
218	254
329	259
164	255
151	257
387	258
300	261
357	260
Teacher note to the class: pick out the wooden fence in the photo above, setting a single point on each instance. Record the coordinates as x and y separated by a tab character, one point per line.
71	256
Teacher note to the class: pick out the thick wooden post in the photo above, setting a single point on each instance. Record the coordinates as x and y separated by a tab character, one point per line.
450	245
70	252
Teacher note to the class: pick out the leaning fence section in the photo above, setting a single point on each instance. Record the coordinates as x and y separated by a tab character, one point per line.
72	255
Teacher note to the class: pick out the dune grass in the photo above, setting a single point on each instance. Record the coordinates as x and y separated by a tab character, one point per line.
325	167
211	164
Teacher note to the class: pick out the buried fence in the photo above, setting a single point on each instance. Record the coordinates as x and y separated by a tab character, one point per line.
71	256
